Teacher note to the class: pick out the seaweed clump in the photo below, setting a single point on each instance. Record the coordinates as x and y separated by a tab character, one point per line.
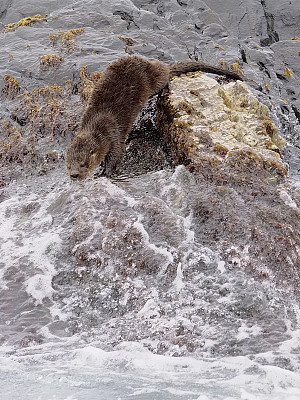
44	110
43	120
15	152
87	82
48	61
28	21
66	40
11	86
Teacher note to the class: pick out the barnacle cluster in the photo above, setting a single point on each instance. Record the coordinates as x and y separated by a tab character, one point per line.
221	152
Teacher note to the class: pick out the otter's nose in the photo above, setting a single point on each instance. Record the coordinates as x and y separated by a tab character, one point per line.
74	176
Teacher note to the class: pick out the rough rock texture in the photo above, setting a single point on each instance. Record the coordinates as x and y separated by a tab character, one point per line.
227	118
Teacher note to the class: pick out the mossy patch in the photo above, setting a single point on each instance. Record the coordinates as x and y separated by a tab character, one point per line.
183	146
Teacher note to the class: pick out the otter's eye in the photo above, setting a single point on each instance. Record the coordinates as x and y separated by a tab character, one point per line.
83	165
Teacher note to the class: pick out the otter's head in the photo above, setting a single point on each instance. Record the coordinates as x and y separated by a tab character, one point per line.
83	156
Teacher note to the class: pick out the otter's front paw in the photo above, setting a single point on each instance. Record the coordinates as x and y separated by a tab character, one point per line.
108	171
104	173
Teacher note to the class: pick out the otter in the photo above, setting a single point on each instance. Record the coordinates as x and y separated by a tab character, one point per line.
116	100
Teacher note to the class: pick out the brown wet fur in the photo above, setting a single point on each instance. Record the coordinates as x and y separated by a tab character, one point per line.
115	102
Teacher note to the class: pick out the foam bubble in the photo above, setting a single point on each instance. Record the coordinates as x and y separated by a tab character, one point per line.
39	287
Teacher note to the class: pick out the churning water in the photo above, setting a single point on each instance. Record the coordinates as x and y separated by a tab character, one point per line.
75	326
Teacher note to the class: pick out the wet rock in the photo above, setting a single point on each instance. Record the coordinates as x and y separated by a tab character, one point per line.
219	125
225	136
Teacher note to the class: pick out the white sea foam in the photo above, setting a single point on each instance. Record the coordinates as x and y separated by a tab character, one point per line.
18	243
286	198
163	251
221	267
245	332
149	310
178	281
39	287
131	371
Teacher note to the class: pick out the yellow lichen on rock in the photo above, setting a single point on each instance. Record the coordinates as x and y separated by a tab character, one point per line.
129	41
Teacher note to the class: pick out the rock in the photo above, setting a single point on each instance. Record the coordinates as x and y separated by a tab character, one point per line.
212	123
225	136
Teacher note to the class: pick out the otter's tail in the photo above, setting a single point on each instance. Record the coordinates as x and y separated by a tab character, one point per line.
192	66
